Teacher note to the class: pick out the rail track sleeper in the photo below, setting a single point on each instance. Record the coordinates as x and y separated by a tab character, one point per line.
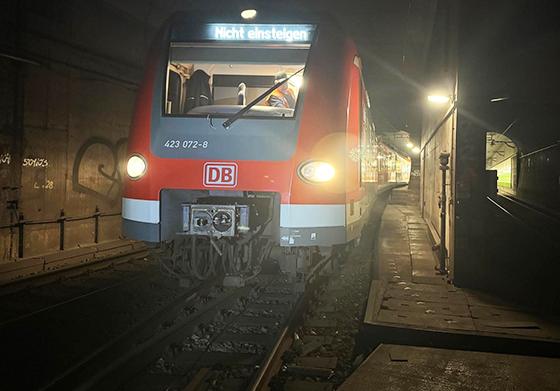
270	299
189	358
255	321
259	339
281	307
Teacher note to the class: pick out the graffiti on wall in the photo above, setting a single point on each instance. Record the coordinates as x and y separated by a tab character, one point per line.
98	168
35	162
5	158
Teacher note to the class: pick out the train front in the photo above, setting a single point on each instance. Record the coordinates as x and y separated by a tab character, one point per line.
212	151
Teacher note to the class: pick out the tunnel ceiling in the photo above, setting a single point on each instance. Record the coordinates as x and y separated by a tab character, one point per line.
393	37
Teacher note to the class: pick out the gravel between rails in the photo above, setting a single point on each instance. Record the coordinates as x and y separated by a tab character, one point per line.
321	352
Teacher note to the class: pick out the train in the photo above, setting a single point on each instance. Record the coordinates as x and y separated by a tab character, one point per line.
222	174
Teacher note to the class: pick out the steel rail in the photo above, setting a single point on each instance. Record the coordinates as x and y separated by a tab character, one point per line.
117	361
72	378
540	230
69	301
270	364
274	361
113	370
543	212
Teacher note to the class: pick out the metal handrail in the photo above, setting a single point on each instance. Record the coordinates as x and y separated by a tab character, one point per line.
61	220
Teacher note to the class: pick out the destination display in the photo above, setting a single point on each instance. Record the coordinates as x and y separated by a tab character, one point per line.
297	33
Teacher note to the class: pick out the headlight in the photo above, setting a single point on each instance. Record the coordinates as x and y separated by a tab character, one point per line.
316	172
136	167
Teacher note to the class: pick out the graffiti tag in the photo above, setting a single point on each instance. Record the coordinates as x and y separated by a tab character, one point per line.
48	185
106	159
5	158
35	162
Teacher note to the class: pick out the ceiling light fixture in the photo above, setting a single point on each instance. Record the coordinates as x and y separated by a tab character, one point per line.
249	14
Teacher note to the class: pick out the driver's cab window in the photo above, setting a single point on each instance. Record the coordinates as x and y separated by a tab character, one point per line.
218	79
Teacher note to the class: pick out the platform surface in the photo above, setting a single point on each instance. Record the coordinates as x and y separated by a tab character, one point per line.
395	367
411	304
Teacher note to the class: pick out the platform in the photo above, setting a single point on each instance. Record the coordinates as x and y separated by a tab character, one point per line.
394	367
411	304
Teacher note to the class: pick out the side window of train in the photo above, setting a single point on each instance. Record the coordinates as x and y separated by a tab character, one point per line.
502	155
361	133
365	138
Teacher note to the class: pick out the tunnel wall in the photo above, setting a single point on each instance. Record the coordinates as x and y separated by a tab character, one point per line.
68	78
508	252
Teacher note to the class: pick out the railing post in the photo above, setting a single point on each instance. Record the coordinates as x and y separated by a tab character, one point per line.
61	221
96	231
21	224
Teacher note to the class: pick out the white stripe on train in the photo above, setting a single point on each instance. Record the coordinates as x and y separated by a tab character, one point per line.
291	215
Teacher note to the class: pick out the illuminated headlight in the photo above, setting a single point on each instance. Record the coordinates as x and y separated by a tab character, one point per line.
136	167
317	172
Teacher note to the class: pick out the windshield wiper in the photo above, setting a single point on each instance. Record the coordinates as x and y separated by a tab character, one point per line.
245	109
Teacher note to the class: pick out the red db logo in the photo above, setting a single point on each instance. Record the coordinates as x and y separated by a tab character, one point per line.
220	174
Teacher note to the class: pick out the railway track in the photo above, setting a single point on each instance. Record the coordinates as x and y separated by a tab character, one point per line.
210	337
214	338
544	224
317	351
72	270
205	337
47	328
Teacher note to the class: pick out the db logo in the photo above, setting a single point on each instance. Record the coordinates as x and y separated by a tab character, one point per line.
220	174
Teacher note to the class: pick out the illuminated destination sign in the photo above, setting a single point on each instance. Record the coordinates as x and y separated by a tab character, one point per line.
260	32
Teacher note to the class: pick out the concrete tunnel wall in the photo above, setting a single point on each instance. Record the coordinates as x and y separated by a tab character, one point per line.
68	79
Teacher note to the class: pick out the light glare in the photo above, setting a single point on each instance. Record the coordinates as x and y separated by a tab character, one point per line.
439	99
296	81
409	145
319	172
249	14
136	167
416	150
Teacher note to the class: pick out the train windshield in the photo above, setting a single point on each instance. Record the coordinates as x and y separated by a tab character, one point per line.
235	64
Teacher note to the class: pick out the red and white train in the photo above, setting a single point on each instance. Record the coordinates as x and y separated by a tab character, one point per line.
226	177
